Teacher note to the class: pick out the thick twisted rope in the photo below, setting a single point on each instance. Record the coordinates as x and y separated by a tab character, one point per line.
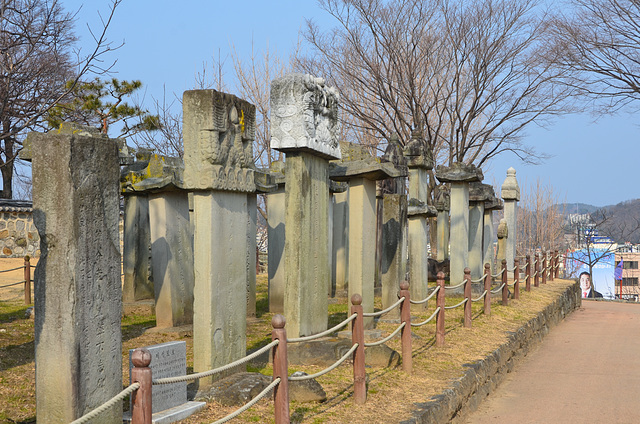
324	333
12	269
420	324
426	299
386	339
455	287
108	404
389	309
196	376
329	369
252	402
498	274
459	304
13	284
479	279
481	296
499	289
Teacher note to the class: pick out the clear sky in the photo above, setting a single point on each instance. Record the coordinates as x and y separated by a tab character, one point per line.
166	43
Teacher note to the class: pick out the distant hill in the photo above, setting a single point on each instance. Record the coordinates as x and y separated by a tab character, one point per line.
621	222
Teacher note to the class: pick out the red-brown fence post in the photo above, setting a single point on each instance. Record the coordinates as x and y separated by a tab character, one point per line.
536	278
527	274
467	295
544	267
280	369
487	288
357	336
141	398
27	280
556	270
405	316
516	278
505	286
440	304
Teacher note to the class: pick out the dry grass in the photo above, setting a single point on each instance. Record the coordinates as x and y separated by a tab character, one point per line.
392	393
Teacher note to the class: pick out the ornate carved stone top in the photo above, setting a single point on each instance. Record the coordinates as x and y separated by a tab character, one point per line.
503	231
442	198
458	173
510	187
417	152
219	130
304	115
152	173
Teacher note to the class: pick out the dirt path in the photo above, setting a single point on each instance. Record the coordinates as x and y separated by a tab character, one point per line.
14	292
585	371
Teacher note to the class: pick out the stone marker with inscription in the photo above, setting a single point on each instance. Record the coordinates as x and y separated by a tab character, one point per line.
169	401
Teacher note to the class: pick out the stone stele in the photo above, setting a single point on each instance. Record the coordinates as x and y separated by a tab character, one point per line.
78	341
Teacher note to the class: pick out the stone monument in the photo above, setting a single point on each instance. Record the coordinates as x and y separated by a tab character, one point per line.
419	161
511	196
78	294
304	125
219	130
488	248
442	206
459	175
478	194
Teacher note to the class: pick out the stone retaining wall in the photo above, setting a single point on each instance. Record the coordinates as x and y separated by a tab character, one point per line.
18	235
482	377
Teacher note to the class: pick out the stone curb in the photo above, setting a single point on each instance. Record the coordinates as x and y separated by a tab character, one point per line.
483	376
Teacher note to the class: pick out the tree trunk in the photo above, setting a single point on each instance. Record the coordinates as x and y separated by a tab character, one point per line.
7	169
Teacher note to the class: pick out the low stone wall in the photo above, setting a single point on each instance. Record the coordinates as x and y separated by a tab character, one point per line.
18	235
482	377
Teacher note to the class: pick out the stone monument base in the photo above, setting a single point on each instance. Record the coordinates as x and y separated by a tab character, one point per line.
171	415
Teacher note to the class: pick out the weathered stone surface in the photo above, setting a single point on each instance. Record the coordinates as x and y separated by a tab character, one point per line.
308	273
511	195
218	130
357	162
171	258
152	173
340	244
417	153
393	264
306	390
476	232
417	208
77	280
321	352
136	255
235	390
503	234
458	173
304	115
275	248
381	356
479	192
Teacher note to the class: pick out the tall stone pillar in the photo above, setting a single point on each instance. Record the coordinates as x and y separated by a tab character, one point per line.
136	249
361	171
393	265
459	176
78	342
478	194
219	130
419	161
276	237
503	235
304	124
488	239
340	244
511	196
442	206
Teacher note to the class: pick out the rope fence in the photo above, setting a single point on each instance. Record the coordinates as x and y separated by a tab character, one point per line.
386	339
329	368
426	299
26	280
384	311
324	333
107	405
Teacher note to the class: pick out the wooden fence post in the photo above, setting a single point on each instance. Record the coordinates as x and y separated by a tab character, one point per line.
487	287
516	278
440	304
405	316
536	278
544	267
505	287
357	336
467	295
280	369
141	398
27	280
527	272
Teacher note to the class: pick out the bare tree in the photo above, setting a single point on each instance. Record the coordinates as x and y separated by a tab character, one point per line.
540	219
37	61
470	74
598	43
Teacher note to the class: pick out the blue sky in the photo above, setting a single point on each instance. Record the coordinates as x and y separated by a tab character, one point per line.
166	43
